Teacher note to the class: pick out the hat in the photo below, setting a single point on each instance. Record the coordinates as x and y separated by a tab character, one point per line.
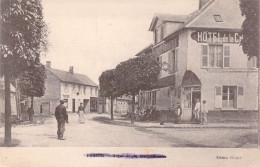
61	101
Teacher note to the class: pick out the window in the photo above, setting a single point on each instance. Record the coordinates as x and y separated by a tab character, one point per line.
160	61
95	91
153	98
204	51
156	36
84	89
229	94
226	56
91	89
162	32
218	18
79	88
173	60
148	98
74	88
253	62
66	88
215	56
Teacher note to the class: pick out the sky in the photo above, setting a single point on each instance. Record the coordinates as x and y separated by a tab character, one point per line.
96	35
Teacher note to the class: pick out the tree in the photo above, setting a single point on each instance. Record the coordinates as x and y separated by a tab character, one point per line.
23	39
250	42
31	82
108	87
133	75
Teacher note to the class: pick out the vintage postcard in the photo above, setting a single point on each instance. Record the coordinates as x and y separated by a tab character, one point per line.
129	83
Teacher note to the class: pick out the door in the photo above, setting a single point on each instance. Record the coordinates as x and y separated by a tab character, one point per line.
85	103
93	104
195	97
73	105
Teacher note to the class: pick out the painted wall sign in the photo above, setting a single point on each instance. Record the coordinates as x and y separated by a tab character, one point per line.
166	46
216	37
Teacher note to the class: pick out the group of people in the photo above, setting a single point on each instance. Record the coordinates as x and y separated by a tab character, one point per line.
61	116
200	112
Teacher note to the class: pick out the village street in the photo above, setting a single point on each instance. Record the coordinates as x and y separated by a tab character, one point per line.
98	133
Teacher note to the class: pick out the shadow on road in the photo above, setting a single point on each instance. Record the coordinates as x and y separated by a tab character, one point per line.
14	142
246	139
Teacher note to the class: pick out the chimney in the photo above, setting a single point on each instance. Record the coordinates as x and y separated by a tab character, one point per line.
202	3
71	70
48	64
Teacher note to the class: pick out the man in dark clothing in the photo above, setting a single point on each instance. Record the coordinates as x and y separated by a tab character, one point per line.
30	113
61	117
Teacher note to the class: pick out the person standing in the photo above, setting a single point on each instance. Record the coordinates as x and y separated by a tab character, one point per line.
61	117
197	110
179	113
30	113
204	111
81	113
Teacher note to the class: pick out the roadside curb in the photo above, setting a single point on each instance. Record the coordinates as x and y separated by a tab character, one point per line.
115	122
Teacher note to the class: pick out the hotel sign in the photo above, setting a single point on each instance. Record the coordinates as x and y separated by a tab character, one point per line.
216	37
166	46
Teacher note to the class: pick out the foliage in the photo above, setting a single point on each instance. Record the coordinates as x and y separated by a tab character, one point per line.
133	75
31	82
107	83
250	27
23	38
23	34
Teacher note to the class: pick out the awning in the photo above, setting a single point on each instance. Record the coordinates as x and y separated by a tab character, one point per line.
190	78
166	81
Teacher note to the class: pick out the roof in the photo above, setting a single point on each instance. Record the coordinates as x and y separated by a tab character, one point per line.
147	48
204	17
72	78
167	18
229	10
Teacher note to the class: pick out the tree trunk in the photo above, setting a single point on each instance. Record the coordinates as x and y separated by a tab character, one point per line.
18	101
133	109
111	110
7	75
32	102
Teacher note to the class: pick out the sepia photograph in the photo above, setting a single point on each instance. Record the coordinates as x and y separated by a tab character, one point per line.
141	80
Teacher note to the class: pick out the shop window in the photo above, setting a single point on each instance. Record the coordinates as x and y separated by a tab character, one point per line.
218	18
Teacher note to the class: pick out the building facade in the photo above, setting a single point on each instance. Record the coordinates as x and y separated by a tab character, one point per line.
204	60
72	87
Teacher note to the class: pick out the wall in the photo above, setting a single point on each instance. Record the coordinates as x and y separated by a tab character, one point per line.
70	94
238	74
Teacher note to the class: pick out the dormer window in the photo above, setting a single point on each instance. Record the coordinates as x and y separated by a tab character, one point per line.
218	18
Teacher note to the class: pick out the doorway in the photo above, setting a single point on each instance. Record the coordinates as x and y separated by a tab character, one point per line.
194	97
73	105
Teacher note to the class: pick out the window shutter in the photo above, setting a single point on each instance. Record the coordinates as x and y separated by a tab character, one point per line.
176	59
240	97
218	97
204	55
226	56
